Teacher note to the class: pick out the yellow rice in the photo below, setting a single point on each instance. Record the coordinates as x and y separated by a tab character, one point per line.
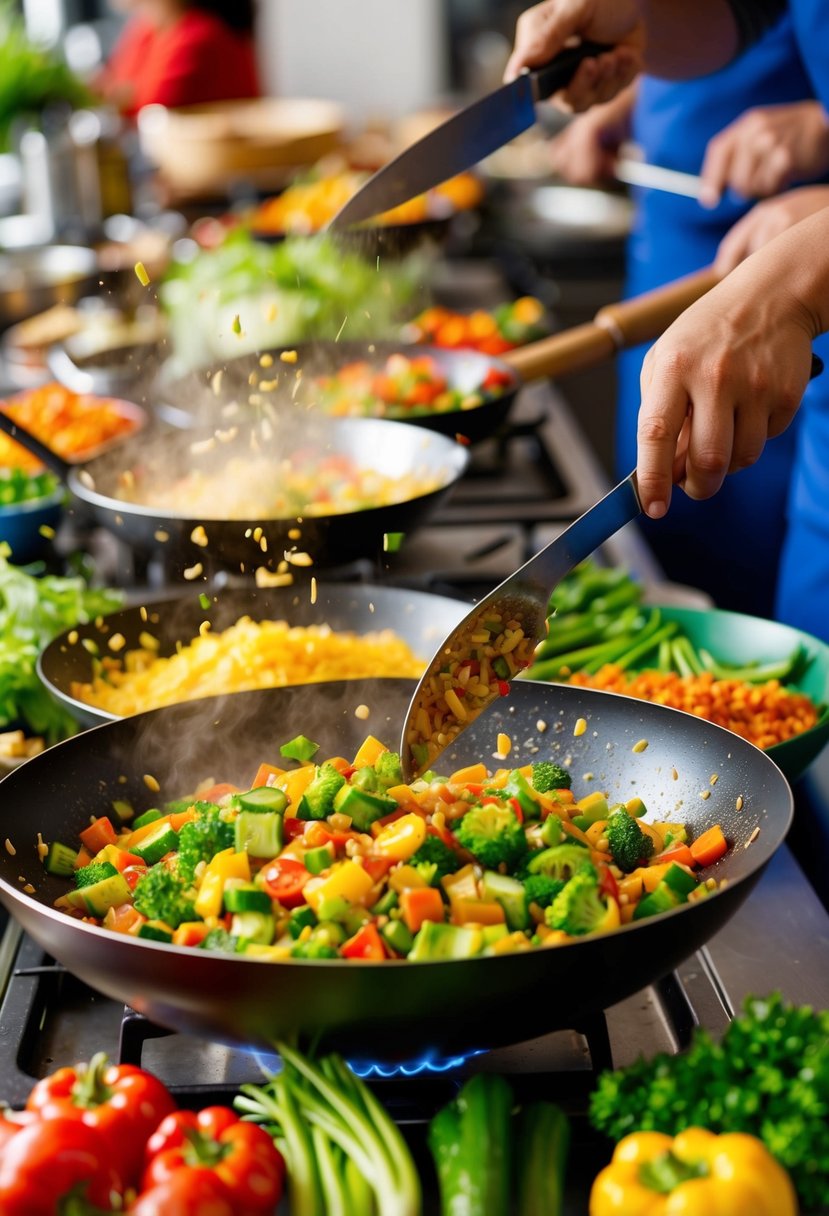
267	654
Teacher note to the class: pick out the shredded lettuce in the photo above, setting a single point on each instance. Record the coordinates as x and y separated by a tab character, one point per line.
32	612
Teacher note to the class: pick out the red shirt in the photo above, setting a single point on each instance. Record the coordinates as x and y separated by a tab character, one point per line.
197	59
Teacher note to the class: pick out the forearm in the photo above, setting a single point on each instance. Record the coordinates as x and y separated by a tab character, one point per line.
796	263
692	39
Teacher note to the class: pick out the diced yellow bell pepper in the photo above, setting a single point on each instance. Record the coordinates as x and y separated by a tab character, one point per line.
406	878
403	796
296	782
402	838
112	854
347	880
369	752
224	865
461	885
596	831
477	912
652	875
472	772
267	954
590	800
630	885
635	807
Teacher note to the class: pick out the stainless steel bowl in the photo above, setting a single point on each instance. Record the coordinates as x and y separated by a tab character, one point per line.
32	280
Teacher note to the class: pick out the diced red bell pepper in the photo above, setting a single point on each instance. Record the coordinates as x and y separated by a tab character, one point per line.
378	867
516	809
366	944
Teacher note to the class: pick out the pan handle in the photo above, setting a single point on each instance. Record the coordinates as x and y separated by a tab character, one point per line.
615	327
27	440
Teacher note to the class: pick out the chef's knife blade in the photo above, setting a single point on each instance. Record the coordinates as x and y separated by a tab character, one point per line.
465	139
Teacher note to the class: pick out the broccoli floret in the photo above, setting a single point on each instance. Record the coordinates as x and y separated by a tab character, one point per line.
388	770
96	871
561	861
629	845
493	835
541	889
548	776
166	895
202	839
579	907
219	939
435	852
318	799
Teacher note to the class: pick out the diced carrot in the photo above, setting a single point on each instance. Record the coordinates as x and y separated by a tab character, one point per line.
98	835
419	905
710	846
190	933
264	774
477	912
679	853
83	859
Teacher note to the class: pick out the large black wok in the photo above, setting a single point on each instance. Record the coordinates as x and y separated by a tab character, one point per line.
421	619
249	543
615	326
399	1009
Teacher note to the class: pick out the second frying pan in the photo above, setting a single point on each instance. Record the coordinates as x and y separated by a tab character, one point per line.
615	327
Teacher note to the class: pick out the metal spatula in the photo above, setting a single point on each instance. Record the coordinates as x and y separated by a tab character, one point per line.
496	640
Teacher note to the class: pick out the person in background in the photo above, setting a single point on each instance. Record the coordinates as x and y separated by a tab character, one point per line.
760	152
750	129
177	53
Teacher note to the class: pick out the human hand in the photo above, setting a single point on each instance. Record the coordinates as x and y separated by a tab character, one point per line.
765	150
767	220
542	31
725	377
584	153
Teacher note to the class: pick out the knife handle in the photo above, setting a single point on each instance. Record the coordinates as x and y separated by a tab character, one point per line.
558	73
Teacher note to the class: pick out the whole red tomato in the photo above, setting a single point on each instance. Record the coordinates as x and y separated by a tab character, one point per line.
187	1192
123	1103
241	1155
47	1160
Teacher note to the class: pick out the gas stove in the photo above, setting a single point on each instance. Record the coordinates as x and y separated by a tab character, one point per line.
779	939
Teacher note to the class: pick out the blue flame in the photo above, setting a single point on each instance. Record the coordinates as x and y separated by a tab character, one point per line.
413	1068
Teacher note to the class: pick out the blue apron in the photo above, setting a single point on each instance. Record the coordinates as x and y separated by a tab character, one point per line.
803	587
729	545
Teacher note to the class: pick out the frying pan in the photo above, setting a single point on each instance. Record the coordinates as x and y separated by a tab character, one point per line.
417	617
614	327
370	443
392	1010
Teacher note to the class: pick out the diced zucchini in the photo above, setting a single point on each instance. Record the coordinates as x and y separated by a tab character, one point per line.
156	931
148	817
98	898
509	893
329	933
263	798
436	940
60	859
253	927
123	809
399	937
299	919
157	844
258	833
240	896
594	807
362	807
385	903
317	860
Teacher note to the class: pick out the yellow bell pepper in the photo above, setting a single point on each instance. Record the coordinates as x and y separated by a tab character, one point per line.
461	885
369	752
402	838
472	772
295	782
694	1174
347	880
224	865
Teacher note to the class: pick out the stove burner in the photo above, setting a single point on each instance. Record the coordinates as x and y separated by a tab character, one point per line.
429	1063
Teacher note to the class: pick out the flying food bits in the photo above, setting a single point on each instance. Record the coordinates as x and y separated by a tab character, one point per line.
46	531
236	326
299	559
10	849
204	629
151	783
142	612
204	601
288	356
738	805
340	330
141	274
193	572
503	746
42	847
266	578
641	746
117	642
198	536
72	637
313	590
266	360
294	534
541	726
362	712
216	382
580	727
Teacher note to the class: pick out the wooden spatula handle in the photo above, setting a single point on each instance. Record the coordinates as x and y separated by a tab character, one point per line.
614	327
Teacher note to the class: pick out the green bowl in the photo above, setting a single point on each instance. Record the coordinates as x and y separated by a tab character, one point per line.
735	640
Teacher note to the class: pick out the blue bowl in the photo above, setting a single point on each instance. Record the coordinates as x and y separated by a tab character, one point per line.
21	523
